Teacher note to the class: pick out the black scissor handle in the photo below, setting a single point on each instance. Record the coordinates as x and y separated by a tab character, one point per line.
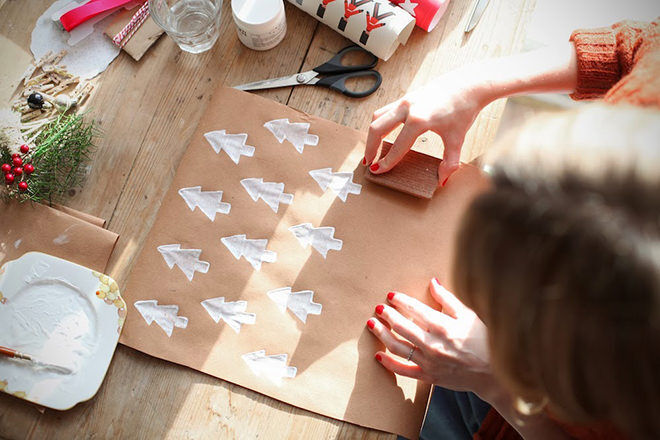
338	82
334	65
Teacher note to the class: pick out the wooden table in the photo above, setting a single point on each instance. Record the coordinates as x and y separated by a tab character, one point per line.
148	112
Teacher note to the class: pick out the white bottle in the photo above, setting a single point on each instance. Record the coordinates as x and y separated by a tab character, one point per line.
261	24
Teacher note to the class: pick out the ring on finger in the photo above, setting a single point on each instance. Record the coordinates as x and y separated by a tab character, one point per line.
410	355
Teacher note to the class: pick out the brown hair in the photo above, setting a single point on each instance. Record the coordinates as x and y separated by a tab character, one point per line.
561	259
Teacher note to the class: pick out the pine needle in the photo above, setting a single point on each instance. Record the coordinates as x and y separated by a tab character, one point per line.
62	149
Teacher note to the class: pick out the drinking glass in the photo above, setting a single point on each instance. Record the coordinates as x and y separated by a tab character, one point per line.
193	24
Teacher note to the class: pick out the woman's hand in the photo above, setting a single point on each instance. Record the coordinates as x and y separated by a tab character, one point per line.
449	348
448	107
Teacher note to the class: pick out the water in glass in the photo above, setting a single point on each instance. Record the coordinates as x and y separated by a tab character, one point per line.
193	24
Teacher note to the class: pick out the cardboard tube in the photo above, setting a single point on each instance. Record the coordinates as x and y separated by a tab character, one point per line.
376	25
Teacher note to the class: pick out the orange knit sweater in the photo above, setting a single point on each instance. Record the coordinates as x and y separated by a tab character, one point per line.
620	64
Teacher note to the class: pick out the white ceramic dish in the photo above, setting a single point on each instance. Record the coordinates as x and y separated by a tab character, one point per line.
64	314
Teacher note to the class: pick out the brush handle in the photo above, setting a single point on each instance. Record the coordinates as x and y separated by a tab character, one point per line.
7	352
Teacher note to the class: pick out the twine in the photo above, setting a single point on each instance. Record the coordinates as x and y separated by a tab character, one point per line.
132	26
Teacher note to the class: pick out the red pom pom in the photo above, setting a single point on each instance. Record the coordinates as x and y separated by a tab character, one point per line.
18	171
24	149
22	186
6	168
9	178
29	168
17	161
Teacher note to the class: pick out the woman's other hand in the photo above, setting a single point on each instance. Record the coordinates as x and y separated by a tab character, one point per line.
449	347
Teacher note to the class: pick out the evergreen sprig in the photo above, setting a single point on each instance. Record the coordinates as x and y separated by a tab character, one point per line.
5	157
61	149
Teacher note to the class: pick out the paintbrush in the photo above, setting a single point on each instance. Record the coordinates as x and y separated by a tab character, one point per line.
14	354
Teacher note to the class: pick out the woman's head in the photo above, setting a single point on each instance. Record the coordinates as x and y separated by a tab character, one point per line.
561	259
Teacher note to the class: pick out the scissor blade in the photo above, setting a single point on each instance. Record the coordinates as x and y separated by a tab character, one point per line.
477	12
285	81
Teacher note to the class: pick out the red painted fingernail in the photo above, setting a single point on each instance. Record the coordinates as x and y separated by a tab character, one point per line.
436	280
379	358
364	161
379	309
445	181
371	324
390	296
374	167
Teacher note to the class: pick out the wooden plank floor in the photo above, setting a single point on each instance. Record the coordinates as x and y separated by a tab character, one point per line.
148	111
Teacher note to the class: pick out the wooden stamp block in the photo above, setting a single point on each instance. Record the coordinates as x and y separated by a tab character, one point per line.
416	174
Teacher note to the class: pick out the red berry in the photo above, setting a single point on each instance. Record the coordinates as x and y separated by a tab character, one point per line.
6	168
17	161
18	171
9	178
15	155
22	186
24	149
29	168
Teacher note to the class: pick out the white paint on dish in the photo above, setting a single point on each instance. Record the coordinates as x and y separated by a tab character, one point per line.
53	320
36	271
56	311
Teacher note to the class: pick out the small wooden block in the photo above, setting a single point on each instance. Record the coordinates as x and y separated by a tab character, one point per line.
416	174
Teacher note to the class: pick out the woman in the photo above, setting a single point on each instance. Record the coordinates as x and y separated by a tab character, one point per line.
620	64
561	262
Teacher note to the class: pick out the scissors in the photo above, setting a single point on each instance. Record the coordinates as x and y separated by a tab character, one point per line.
338	74
477	12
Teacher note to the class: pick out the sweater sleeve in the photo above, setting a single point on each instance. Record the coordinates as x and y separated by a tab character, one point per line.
494	427
605	55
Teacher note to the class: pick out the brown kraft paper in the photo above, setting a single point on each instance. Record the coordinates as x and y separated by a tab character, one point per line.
71	235
391	241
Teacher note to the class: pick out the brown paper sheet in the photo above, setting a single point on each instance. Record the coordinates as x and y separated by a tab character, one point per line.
390	241
72	235
81	215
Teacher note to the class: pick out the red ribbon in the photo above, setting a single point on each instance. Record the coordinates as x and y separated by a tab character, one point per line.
79	15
